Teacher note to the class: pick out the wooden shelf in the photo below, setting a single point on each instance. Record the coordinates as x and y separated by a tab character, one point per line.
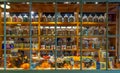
26	36
58	23
21	49
112	50
22	23
62	23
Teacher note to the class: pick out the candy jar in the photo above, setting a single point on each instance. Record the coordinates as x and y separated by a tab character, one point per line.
14	18
36	18
7	45
90	18
96	31
60	19
102	31
101	18
85	18
43	18
86	44
95	18
11	44
20	18
53	18
79	18
25	18
71	18
33	19
9	18
66	18
49	18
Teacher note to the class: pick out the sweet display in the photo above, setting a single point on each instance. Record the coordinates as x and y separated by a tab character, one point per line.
58	45
60	18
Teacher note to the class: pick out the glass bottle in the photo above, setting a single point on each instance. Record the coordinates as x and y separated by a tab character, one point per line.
90	18
36	18
95	19
66	18
25	18
49	18
20	18
101	18
14	18
85	18
71	18
43	18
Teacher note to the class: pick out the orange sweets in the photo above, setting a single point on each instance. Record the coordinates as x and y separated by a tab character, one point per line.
25	66
45	65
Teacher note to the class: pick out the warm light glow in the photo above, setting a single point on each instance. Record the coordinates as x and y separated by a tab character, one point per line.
32	12
7	13
7	6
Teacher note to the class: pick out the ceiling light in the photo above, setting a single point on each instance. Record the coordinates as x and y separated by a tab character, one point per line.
7	6
53	2
96	2
8	3
78	2
27	3
66	2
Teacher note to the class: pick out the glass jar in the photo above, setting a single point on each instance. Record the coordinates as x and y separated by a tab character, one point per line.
36	18
14	18
66	18
49	18
9	18
33	19
95	19
85	18
96	31
71	18
90	18
43	18
20	18
101	18
25	18
60	18
53	18
79	18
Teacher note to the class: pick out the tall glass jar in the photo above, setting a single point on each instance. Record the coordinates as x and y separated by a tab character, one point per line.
66	18
20	18
71	18
85	18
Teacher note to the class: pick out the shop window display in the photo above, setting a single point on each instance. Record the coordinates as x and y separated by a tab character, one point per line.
62	36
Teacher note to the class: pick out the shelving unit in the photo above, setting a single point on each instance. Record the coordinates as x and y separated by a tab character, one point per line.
64	8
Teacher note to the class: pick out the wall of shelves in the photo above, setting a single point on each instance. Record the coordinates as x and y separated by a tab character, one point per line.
66	43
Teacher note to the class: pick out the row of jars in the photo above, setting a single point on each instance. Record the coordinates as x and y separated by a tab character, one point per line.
72	18
20	30
20	43
60	31
59	17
